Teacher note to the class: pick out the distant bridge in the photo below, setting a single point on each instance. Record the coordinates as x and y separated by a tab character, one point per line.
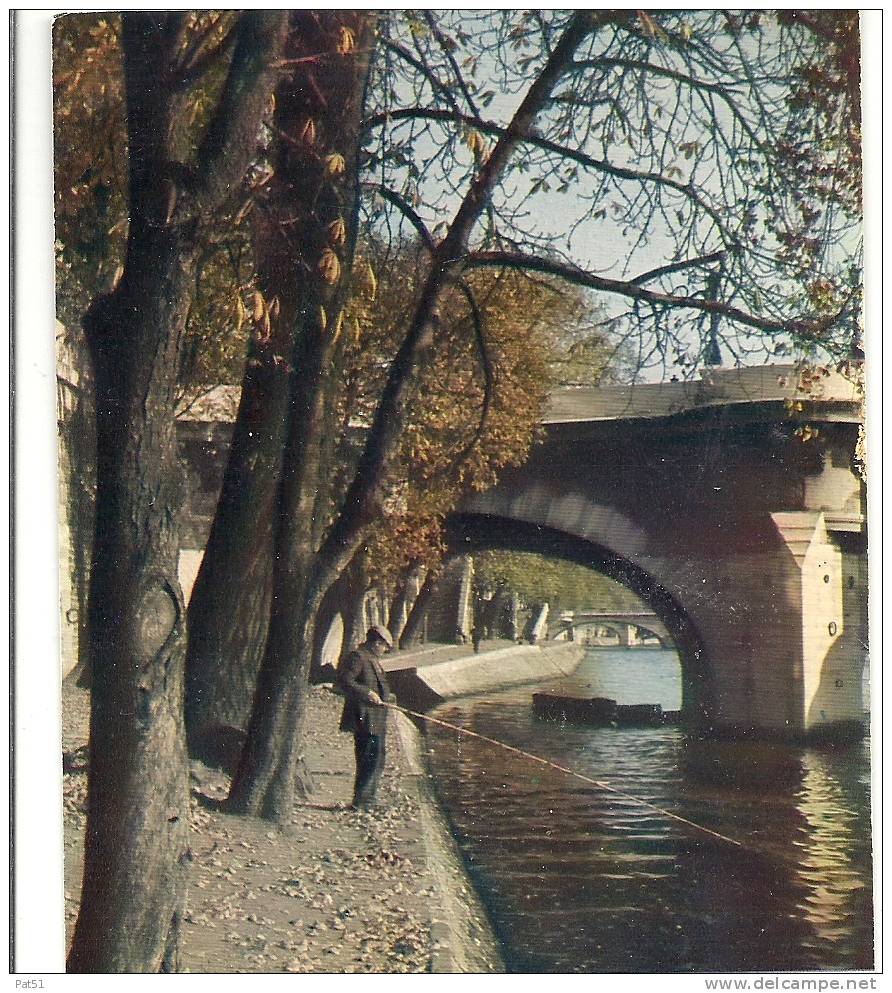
630	627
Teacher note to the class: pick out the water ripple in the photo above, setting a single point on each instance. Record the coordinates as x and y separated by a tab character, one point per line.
581	880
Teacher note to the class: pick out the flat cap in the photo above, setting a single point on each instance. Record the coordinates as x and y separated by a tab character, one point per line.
379	631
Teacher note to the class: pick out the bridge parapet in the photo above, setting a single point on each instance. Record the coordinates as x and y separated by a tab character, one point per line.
839	392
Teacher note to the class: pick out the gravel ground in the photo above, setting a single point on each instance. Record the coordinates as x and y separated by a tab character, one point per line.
334	891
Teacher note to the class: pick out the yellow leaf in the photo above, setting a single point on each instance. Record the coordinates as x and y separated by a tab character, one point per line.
337	232
334	164
346	41
475	142
258	305
307	132
329	267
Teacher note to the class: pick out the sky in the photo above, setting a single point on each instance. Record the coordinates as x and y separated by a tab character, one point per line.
616	245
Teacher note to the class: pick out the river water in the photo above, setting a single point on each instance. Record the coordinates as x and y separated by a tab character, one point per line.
579	880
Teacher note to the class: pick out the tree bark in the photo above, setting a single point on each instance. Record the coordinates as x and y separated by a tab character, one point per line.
411	633
136	849
404	597
230	603
137	844
355	585
312	215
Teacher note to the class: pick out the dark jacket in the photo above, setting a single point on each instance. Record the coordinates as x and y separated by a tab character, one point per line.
359	673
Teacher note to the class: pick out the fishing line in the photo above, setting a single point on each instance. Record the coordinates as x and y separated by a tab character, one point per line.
599	783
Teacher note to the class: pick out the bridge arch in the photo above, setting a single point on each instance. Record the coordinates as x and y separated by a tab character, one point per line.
471	532
755	538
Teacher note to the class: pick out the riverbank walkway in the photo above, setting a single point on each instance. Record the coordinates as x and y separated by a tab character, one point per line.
334	891
434	654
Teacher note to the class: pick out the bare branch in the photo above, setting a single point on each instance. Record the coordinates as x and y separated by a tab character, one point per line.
805	330
665	270
447	51
565	152
406	210
437	86
486	367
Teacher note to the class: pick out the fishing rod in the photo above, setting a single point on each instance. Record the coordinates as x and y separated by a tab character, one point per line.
599	783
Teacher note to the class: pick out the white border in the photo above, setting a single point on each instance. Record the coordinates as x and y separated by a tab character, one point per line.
39	897
39	907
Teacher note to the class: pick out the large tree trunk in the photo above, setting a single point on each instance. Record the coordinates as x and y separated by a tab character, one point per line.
351	589
137	844
311	221
341	599
407	591
414	627
136	848
230	603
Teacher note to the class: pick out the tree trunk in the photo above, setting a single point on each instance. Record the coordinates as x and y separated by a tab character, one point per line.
137	834
401	606
411	634
355	587
230	603
311	221
328	611
136	848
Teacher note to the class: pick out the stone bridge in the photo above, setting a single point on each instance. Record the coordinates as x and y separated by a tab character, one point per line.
733	507
630	628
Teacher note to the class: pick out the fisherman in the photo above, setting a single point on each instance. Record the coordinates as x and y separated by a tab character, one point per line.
363	682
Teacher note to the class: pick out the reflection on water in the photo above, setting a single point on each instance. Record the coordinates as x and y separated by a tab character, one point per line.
582	880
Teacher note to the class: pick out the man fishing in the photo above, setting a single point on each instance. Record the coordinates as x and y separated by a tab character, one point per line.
363	683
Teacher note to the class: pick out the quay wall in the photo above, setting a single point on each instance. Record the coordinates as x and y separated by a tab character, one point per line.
424	686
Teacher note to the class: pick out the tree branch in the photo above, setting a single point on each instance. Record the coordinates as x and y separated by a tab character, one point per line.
411	215
573	154
447	51
717	89
419	66
805	330
230	140
202	54
485	365
476	320
665	270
